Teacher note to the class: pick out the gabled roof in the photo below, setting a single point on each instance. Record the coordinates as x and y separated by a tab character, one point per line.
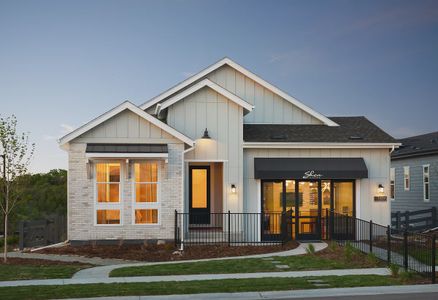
227	61
356	130
212	85
419	145
118	109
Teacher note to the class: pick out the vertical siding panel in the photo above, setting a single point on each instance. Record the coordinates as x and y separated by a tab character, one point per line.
230	78
212	125
133	125
222	129
240	85
145	130
269	106
221	77
190	120
278	110
259	104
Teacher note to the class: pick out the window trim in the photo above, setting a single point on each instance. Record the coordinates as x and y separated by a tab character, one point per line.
146	205
392	183
108	205
406	171
428	182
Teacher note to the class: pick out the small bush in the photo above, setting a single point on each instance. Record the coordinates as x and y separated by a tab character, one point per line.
407	276
12	240
310	249
349	251
333	246
395	270
372	258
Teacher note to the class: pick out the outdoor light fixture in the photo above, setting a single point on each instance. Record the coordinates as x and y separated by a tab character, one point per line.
206	136
380	193
380	189
233	188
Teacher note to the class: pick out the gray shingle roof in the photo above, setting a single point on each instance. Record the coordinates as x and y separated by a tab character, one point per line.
350	130
126	148
418	145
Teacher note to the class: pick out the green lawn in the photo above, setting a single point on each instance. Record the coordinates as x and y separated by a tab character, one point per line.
21	272
250	265
190	287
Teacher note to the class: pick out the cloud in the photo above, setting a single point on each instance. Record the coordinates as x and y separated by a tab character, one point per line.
64	129
187	74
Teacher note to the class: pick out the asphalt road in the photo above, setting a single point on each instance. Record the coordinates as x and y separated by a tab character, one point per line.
422	296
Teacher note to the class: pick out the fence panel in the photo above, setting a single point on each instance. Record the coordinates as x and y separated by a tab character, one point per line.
37	233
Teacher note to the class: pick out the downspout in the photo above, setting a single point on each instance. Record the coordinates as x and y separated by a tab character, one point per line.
183	194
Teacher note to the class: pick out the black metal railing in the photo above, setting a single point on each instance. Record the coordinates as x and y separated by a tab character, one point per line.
410	250
415	220
232	228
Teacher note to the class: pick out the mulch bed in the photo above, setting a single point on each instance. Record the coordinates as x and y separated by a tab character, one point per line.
165	252
36	262
360	259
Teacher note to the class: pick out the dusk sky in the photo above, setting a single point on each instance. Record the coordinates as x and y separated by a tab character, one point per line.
62	63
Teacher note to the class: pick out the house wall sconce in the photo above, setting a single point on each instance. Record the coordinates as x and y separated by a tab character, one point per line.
380	197
233	188
206	136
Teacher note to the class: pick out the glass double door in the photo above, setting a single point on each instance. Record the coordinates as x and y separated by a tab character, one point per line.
299	206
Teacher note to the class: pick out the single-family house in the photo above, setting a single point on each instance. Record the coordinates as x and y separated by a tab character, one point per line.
224	141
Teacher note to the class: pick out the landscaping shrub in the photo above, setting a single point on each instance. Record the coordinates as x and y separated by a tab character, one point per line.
348	251
407	275
395	270
12	240
372	258
310	249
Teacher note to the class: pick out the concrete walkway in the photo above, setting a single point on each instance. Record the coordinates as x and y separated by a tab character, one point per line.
104	271
72	258
295	294
179	278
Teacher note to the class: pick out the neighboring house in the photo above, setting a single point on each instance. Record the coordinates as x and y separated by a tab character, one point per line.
222	140
414	173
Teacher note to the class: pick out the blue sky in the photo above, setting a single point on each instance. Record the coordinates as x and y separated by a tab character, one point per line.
63	63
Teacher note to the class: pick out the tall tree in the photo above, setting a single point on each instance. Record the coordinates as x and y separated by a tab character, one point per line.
16	152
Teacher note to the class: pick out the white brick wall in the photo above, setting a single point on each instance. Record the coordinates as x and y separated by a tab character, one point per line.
81	210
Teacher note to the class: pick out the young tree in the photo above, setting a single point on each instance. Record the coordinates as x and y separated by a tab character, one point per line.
16	153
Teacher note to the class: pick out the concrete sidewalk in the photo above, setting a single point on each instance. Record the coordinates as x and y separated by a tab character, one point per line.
296	294
104	271
180	278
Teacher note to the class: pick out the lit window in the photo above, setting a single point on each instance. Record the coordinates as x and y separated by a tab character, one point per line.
406	178
426	185
107	182
392	183
146	202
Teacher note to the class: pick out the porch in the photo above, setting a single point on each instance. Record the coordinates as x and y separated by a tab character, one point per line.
260	228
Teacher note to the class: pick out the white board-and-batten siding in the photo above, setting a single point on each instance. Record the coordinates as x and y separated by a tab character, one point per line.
376	160
223	118
126	127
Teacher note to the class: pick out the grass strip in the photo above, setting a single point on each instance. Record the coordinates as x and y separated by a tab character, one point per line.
191	287
24	272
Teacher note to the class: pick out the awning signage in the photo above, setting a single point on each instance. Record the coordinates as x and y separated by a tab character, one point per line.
310	168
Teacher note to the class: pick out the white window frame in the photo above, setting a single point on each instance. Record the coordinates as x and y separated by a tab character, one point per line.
428	182
108	205
406	175
392	183
146	205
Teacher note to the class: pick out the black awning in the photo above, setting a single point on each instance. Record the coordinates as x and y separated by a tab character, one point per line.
126	148
310	168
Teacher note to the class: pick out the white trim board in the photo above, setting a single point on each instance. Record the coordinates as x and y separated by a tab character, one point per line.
251	145
245	72
213	86
118	109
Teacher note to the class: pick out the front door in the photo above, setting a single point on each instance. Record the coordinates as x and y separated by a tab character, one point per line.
308	212
199	194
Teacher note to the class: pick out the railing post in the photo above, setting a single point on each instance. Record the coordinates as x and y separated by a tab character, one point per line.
397	221
405	250
327	223
21	235
176	229
371	236
433	216
229	228
332	216
407	220
388	250
433	258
